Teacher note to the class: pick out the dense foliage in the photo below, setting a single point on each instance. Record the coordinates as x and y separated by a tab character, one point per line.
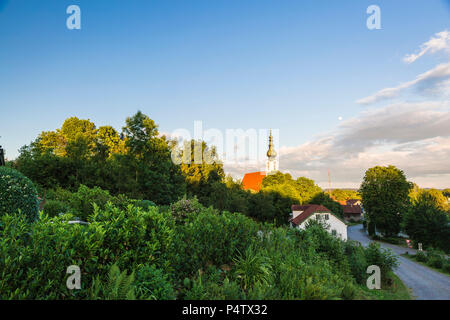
427	223
17	193
385	196
185	251
138	163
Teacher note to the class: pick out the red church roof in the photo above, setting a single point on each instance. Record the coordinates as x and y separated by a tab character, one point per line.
253	181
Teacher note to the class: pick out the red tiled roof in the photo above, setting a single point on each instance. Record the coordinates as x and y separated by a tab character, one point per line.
253	181
352	201
308	210
349	209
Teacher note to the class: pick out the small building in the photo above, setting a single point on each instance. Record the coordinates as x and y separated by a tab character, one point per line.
352	212
302	214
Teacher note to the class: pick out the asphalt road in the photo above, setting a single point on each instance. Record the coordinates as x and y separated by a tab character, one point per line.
426	284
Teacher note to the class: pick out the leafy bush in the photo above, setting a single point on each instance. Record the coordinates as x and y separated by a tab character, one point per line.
119	286
144	204
82	201
348	292
357	260
382	258
446	266
153	284
435	262
17	193
421	257
185	208
252	268
54	207
34	257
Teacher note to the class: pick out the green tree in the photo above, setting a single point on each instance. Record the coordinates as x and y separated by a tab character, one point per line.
325	200
385	195
427	223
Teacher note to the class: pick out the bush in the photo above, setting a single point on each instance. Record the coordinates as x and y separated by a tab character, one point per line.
17	193
34	257
252	267
54	207
435	262
421	257
435	258
144	204
382	258
185	208
210	238
153	284
82	201
357	260
446	266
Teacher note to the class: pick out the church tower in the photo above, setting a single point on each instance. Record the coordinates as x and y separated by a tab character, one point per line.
272	163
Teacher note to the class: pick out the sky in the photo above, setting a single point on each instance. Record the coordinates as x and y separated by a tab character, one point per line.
342	98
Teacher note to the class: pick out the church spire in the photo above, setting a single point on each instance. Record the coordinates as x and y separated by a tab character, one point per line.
272	163
271	152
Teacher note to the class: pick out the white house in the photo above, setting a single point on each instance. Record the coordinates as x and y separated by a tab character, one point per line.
301	215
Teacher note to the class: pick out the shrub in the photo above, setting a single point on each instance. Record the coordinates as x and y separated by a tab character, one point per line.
382	258
153	284
446	266
17	193
348	292
82	201
252	267
54	207
144	204
119	286
421	257
185	208
435	258
435	262
34	257
357	260
210	238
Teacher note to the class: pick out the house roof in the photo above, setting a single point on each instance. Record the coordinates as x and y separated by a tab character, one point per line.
308	210
253	181
352	201
349	209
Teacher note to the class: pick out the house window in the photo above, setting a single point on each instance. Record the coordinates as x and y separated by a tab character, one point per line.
333	232
327	217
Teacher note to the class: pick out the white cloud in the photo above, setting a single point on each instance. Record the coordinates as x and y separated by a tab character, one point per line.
434	82
441	41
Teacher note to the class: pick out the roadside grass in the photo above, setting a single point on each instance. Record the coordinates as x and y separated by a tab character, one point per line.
398	241
412	258
395	290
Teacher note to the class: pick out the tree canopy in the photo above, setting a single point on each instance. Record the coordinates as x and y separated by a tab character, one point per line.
385	196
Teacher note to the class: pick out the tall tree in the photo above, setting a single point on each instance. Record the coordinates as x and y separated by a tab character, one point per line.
427	223
385	196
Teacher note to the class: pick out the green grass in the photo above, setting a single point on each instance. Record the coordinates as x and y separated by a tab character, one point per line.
411	257
396	290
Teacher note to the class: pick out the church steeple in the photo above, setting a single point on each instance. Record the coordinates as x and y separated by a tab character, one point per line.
272	163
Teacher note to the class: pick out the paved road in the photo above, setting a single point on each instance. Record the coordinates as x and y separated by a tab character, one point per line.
426	284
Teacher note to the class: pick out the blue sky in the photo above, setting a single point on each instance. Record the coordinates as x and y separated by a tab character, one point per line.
293	65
